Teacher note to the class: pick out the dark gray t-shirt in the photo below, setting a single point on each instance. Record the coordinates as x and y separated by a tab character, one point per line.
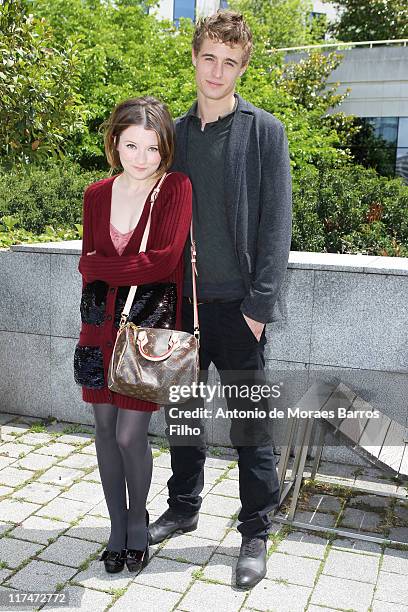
218	269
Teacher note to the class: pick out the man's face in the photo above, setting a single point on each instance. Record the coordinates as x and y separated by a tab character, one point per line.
217	67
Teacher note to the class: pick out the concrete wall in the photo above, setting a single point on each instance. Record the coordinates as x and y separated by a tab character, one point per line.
347	317
378	78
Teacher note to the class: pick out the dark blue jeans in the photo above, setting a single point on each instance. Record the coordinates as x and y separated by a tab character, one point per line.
228	342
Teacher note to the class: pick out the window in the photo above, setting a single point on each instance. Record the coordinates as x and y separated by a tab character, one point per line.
183	8
401	166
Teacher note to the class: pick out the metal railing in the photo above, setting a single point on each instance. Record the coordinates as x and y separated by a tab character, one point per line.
403	42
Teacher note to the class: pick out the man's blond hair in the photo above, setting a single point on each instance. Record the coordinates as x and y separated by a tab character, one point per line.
227	27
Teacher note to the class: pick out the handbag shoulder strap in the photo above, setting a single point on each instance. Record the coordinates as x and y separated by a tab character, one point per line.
142	249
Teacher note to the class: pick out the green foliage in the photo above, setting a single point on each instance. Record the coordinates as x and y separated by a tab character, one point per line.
43	203
371	20
349	210
281	23
124	52
39	102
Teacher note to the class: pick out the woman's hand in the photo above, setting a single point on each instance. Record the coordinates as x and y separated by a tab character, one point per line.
92	253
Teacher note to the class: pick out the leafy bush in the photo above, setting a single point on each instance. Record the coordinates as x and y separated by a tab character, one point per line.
349	210
40	197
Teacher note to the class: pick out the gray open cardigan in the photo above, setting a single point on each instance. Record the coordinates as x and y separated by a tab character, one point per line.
258	202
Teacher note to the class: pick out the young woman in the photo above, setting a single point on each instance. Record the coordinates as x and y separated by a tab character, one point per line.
139	139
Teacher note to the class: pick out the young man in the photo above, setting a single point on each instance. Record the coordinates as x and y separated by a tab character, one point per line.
236	156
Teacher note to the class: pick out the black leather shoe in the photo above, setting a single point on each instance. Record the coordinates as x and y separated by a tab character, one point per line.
168	523
251	566
114	561
136	560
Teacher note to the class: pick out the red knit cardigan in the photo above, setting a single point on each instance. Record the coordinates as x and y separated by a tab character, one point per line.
161	262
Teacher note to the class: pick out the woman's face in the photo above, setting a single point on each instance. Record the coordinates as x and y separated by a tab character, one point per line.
138	150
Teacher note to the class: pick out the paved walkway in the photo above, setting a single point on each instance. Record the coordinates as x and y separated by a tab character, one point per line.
53	523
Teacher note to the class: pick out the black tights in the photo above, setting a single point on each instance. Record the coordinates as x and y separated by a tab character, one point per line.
124	458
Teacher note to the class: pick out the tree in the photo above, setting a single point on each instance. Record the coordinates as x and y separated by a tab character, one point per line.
39	103
361	20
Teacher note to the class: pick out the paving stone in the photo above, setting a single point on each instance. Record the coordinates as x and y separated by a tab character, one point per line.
316	518
360	519
12	430
318	609
5	490
16	511
339	593
56	450
148	599
93	476
155	489
293	569
6	417
376	502
189	548
401	511
35	462
395	561
37	492
5	527
226	487
89	449
277	597
12	477
15	449
92	492
231	544
158	504
95	577
303	545
399	534
233	473
4	573
212	527
220	505
161	475
392	588
41	576
163	460
79	460
221	568
216	597
82	599
100	509
34	438
6	461
69	551
14	552
382	606
77	439
39	529
93	528
324	503
344	564
60	476
218	462
352	545
64	509
166	573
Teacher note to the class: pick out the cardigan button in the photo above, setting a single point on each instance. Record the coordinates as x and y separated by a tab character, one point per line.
112	290
109	343
109	317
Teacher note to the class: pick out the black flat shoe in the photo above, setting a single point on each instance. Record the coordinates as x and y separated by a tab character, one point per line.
136	560
114	561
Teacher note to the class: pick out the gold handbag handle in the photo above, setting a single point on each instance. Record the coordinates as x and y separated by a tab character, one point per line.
142	340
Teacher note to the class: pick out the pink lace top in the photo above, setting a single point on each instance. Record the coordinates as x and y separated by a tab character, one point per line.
119	240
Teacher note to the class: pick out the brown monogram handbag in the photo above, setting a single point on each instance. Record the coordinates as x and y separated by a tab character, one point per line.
147	361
